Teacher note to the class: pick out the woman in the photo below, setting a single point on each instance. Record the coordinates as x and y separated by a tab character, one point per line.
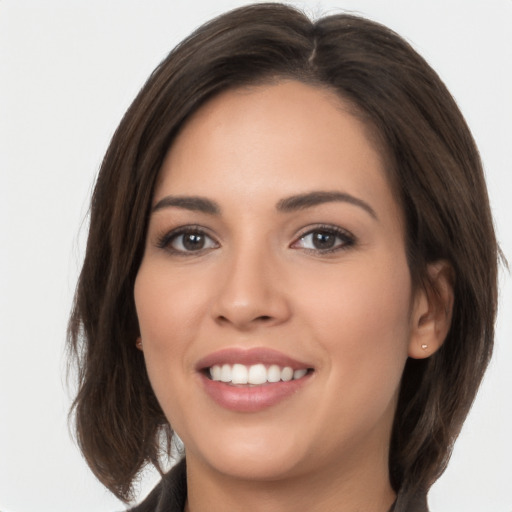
291	225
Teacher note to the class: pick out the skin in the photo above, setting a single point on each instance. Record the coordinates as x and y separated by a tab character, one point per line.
259	281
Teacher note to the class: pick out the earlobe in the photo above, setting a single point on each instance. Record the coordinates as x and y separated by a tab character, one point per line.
432	312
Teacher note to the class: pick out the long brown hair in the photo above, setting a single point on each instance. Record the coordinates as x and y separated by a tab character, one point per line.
434	168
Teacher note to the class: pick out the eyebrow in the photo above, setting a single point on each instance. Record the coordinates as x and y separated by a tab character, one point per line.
308	200
286	205
193	203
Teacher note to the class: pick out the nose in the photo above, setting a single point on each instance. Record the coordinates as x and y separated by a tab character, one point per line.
252	292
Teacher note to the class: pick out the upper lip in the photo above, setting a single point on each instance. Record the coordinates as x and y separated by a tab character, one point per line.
249	357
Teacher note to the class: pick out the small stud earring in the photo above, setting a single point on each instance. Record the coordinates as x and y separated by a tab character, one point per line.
138	343
424	346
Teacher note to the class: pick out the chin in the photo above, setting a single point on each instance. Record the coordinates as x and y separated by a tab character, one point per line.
252	454
256	466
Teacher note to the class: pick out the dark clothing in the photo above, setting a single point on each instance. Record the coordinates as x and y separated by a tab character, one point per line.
171	493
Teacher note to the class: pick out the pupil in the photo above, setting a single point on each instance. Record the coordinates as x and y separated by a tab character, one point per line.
193	242
323	240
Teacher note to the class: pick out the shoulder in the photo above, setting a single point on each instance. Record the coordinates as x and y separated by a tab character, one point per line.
169	495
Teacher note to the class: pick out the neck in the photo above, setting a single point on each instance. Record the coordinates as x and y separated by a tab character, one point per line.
365	488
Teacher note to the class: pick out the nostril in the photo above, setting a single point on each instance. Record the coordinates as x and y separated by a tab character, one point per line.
261	319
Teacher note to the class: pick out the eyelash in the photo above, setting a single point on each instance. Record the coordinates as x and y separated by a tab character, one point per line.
165	241
347	239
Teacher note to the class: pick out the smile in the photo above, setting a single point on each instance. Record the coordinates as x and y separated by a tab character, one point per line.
252	380
256	374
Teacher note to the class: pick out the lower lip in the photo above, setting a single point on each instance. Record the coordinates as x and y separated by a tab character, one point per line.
251	398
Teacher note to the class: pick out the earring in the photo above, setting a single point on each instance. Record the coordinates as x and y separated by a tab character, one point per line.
424	346
138	343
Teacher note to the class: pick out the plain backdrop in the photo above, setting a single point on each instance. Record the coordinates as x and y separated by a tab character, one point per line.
68	71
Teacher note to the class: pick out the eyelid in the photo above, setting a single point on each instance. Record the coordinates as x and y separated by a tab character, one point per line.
348	239
164	240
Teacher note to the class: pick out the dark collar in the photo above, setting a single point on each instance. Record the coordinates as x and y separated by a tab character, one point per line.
170	494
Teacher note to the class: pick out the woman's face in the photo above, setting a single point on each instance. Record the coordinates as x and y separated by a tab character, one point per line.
275	250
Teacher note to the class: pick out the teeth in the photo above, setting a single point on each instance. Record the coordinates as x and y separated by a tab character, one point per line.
298	374
216	372
255	374
239	374
274	373
286	374
225	373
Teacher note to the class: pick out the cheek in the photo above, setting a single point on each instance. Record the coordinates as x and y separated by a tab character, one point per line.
168	308
168	311
361	319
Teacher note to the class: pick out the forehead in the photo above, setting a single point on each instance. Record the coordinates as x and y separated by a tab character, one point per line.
283	138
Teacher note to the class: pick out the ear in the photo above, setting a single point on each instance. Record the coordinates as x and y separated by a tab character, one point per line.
432	312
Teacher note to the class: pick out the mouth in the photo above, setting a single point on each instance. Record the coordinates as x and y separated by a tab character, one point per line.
257	374
250	380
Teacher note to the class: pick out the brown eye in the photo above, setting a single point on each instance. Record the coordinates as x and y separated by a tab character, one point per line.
190	241
325	240
186	241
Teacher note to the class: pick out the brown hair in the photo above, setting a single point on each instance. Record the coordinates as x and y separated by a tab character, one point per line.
433	164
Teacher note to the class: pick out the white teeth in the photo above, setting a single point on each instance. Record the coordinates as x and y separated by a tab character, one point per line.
239	374
225	375
255	374
298	374
274	373
216	372
286	374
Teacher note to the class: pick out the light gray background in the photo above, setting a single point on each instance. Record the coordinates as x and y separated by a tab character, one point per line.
68	71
